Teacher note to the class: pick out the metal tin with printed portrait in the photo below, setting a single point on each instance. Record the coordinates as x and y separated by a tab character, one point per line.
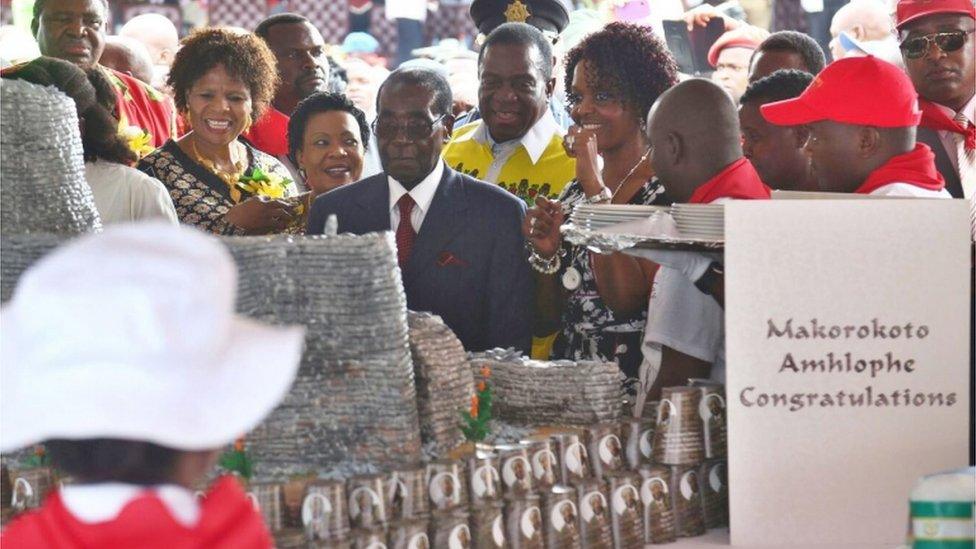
516	471
542	457
686	501
561	513
450	529
269	500
655	492
714	480
524	525
366	503
711	409
488	525
406	493
594	511
605	448
625	509
324	514
446	484
573	458
678	433
484	479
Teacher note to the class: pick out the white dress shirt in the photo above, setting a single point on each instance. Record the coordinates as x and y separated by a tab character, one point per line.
92	503
534	142
422	194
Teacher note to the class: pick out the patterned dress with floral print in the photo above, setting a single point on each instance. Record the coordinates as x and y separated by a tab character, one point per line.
201	198
591	331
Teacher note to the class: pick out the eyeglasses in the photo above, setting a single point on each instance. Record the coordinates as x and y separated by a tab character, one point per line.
413	129
917	47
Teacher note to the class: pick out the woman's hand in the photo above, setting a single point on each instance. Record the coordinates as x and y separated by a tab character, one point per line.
541	226
258	215
581	144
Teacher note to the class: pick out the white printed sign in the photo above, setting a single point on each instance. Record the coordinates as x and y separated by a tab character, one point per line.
847	326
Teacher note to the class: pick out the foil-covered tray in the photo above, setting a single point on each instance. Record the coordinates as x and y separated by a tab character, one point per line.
604	242
607	228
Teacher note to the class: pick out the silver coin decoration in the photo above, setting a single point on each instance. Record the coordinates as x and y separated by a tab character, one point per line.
19	253
561	392
42	175
353	399
444	381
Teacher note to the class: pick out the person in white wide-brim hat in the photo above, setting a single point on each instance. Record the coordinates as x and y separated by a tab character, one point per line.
121	352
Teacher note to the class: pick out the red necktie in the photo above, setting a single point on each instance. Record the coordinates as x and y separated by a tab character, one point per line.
405	234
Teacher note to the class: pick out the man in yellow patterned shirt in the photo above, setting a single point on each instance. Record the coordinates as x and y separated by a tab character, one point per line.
517	144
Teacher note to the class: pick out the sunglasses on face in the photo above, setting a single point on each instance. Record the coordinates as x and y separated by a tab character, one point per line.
917	47
413	129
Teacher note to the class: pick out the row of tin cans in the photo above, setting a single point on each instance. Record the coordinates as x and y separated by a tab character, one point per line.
655	504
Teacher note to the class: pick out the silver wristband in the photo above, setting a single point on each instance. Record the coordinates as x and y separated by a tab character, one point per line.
603	197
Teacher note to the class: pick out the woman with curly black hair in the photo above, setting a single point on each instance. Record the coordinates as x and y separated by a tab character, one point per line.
222	81
599	302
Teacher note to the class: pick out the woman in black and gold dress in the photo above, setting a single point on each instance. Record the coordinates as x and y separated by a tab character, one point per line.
222	81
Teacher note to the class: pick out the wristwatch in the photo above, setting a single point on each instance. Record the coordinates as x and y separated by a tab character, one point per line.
713	274
602	197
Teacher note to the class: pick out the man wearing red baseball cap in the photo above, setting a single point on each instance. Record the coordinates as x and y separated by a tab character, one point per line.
861	113
936	40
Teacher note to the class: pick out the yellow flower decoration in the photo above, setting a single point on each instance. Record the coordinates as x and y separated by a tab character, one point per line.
138	139
267	184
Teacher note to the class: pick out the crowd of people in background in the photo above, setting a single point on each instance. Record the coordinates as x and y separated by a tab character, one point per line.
473	157
474	154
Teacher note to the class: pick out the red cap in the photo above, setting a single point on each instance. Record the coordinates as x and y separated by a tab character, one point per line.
746	36
863	91
910	10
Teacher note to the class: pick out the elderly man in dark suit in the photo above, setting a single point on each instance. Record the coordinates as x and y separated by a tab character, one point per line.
459	243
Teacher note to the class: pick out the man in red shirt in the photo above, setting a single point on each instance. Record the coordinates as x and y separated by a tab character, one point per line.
937	47
74	30
861	113
694	133
303	69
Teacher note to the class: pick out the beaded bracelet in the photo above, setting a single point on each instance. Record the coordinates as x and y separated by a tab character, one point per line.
543	265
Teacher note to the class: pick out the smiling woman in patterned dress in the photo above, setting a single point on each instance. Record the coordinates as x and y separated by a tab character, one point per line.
222	81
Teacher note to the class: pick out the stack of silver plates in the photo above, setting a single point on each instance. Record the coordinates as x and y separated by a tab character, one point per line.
615	227
700	221
444	381
562	392
353	400
42	174
600	216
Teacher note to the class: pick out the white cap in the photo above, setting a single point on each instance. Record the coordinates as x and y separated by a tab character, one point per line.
131	333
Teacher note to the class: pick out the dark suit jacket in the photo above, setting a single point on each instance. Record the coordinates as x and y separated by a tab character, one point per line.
469	263
942	163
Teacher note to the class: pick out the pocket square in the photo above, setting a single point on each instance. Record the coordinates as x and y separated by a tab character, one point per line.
446	258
